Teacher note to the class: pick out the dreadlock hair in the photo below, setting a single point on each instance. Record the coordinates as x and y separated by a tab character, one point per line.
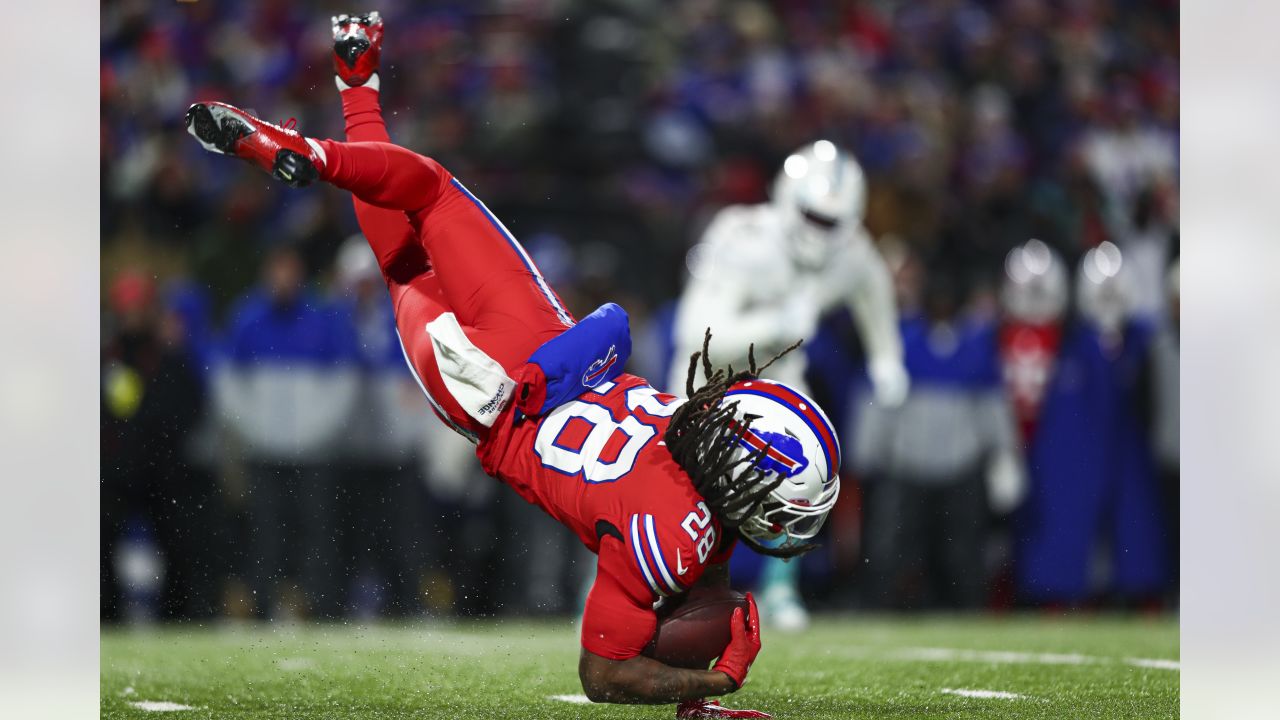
703	436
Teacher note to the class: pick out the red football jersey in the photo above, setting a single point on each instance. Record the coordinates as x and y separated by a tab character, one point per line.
1028	352
599	465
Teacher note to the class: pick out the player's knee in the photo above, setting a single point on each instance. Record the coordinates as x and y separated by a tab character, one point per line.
406	263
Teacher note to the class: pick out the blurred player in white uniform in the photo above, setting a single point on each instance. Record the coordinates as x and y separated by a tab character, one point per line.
766	273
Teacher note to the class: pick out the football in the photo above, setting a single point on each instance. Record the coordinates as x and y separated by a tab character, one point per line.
693	629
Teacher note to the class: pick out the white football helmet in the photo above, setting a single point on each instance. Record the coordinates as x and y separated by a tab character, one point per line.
819	192
1035	283
1103	289
803	450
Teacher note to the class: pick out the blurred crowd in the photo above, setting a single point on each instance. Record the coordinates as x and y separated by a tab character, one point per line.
266	452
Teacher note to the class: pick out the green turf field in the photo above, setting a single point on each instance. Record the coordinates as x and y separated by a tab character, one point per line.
850	667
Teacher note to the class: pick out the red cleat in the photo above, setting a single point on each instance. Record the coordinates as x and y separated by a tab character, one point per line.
713	709
357	47
227	130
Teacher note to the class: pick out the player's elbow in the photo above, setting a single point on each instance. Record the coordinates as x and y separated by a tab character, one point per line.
593	672
594	691
604	680
598	687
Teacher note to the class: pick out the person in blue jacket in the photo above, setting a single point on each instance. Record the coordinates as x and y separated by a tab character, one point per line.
938	465
285	389
1093	477
380	447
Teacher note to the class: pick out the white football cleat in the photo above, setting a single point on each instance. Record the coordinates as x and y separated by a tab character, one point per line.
782	609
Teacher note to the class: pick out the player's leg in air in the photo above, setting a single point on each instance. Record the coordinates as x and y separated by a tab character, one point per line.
357	48
464	291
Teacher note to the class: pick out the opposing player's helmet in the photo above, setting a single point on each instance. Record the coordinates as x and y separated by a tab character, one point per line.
802	451
819	191
1035	283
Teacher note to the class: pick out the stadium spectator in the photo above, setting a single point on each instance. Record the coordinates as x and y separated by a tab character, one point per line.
152	397
937	460
380	444
1093	482
1165	361
979	123
286	389
464	535
1146	236
1127	156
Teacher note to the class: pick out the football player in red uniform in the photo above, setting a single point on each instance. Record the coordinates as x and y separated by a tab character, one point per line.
659	487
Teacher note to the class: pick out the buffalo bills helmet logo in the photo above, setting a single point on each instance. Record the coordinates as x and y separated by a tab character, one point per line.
785	456
598	369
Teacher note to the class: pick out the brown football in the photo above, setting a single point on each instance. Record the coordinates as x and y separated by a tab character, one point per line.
693	629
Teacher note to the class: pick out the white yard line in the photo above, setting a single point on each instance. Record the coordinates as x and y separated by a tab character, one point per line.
576	699
159	706
984	694
1014	657
1155	663
994	656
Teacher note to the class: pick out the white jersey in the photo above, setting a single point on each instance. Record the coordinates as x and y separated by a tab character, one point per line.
747	287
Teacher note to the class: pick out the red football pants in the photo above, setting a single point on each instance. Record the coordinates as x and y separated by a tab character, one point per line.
440	250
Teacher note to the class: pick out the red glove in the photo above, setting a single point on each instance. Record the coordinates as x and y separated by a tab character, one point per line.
744	644
697	709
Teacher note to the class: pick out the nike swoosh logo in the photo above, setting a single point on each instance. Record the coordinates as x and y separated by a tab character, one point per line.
680	568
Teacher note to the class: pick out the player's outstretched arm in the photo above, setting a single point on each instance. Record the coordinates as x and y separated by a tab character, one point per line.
642	680
871	301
